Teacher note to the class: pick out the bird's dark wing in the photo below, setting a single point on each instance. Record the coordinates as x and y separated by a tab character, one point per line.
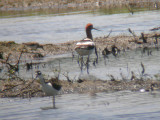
55	83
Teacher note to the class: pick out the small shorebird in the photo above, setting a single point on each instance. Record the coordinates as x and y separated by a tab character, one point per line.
86	46
50	88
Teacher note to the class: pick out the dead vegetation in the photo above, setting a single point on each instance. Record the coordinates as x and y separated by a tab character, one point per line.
124	43
14	86
31	88
104	45
77	4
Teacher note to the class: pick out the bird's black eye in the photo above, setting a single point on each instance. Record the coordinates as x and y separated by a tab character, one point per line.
38	73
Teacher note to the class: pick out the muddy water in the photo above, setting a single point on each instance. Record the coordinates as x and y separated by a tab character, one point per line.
58	28
122	105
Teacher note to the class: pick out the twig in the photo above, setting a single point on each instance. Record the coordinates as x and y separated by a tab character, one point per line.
143	68
132	32
112	78
129	9
109	34
133	77
144	38
28	85
68	79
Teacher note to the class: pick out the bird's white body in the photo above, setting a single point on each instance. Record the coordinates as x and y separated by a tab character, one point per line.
47	87
49	90
85	47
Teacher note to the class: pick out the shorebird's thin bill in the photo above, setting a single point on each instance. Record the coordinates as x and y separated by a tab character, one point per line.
96	29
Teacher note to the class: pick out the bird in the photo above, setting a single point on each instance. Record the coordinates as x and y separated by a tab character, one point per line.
86	46
50	88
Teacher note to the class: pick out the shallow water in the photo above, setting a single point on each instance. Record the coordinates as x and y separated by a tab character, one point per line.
58	28
120	66
122	105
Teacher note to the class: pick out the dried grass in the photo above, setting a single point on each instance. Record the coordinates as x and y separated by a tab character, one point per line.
6	4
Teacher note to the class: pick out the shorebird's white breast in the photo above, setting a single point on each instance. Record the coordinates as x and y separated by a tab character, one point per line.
49	90
85	47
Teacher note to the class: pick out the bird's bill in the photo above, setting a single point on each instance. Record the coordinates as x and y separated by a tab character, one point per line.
96	29
36	74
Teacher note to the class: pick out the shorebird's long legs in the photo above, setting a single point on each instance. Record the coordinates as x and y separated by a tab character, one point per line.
87	63
78	60
53	102
81	64
96	54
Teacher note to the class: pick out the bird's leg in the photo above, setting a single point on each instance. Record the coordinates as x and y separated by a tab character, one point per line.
81	64
53	102
87	64
78	60
96	54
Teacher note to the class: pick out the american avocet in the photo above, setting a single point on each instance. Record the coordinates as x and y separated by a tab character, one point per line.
86	46
50	88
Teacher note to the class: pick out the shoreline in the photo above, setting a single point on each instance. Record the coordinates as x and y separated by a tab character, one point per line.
104	45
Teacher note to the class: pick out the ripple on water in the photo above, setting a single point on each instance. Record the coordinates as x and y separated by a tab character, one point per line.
117	105
58	29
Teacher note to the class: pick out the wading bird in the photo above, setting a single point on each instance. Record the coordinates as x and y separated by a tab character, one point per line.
86	46
50	88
